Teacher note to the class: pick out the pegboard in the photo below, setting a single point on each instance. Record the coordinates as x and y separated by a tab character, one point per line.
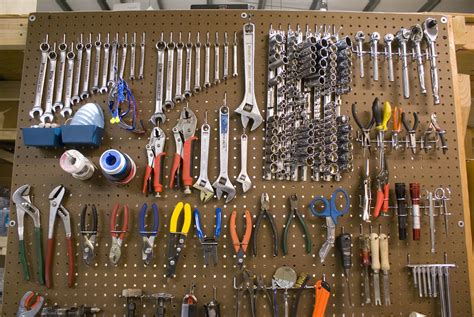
101	284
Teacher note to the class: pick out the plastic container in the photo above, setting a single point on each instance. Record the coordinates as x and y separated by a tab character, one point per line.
42	137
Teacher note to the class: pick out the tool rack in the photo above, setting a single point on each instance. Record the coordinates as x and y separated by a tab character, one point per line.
102	284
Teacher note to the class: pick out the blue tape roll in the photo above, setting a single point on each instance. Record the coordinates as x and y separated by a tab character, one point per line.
115	165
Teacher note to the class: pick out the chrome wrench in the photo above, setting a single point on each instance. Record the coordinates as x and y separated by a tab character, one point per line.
416	37
95	78
169	73
430	29
37	109
402	36
203	184
226	57
207	62
142	57
123	61
388	39
374	54
77	72
133	56
67	110
105	65
159	115
248	109
360	37
178	95
187	75
87	69
431	220
113	61
216	60
197	71
234	56
48	115
243	177
58	99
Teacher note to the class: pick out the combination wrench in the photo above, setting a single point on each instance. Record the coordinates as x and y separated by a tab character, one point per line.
142	57
37	109
169	73
374	42
113	61
203	184
207	62
123	61
105	65
430	29
48	114
197	72
388	39
416	36
226	58
77	72
248	109
243	177
187	75
133	56
67	110
234	56
87	69
159	115
178	97
95	78
58	103
403	36
216	60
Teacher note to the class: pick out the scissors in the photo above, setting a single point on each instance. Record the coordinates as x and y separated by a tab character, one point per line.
330	209
444	194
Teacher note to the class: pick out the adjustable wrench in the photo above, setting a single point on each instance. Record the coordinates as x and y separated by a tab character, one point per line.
58	103
226	57
203	184
223	184
66	110
187	75
374	54
197	72
234	56
95	78
216	60
133	56
142	57
430	29
123	61
87	69
402	36
388	39
207	62
169	73
248	109
159	115
44	48
77	72
113	61
48	115
178	95
105	65
416	36
360	37
243	177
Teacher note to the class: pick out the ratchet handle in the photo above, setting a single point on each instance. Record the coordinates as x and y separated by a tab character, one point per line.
158	172
188	161
323	292
400	193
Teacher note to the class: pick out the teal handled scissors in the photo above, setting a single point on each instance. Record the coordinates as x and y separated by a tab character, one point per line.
331	213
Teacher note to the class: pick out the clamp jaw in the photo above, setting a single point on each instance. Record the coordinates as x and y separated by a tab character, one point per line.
28	307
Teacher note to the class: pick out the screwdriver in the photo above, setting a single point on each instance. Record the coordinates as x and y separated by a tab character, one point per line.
415	202
385	266
397	126
213	308
189	304
381	117
365	255
374	249
402	210
343	243
323	292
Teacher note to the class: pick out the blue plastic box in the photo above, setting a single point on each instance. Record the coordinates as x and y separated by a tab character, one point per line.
42	137
82	134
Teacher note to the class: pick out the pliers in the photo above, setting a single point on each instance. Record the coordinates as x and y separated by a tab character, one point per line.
55	209
153	183
294	213
262	288
367	199
89	234
21	199
240	247
365	130
117	235
183	133
411	137
383	187
177	238
247	283
30	305
148	236
434	127
265	205
209	244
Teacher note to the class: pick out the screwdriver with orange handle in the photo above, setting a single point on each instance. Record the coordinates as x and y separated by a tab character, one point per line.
397	127
323	292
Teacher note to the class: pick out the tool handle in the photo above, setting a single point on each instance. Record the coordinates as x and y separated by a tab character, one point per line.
188	161
156	217
217	230
70	253
378	202
213	309
387	112
402	210
374	249
385	263
160	312
189	310
174	177
323	291
49	262
356	118
377	113
39	255
343	243
124	222
386	193
197	223
146	179
233	231
248	230
444	144
364	250
397	111
24	263
158	172
415	201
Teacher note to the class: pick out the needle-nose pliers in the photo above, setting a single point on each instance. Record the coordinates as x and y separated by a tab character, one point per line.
294	213
240	247
265	214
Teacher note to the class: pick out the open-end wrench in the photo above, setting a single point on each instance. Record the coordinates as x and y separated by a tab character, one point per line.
187	74
87	69
223	184
416	37
67	110
58	99
203	184
243	177
142	57
388	39
48	114
77	72
207	62
178	95
402	37
159	115
133	56
360	37
113	60
226	57
123	61
248	109
105	65
95	76
374	54
216	60
234	57
430	29
37	110
169	103
197	65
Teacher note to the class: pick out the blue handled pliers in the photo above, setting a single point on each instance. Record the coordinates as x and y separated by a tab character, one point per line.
209	244
148	236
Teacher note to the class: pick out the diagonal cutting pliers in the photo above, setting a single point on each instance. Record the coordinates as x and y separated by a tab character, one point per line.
265	214
209	244
365	130
118	235
240	247
153	182
148	236
295	214
89	233
411	137
177	238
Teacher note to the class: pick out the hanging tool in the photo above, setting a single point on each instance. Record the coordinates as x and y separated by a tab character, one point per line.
48	116
37	109
402	36
385	266
188	67
197	70
265	214
364	130
295	214
178	96
217	78
77	71
374	54
401	210
132	294
388	40
189	307
364	244
113	61
415	203
67	110
430	30
246	284
434	127
177	238
234	57
30	305
118	235
225	57
431	215
416	36
87	69
323	292
383	186
105	65
153	182
133	47
300	284
207	62
444	194
95	78
81	311
89	233
381	117
411	137
262	288
208	244
141	66
360	37
203	184
21	199
57	209
159	116
343	243
213	308
58	96
184	138
285	277
331	213
148	236
367	199
397	127
375	265
161	299
243	177
240	246
123	61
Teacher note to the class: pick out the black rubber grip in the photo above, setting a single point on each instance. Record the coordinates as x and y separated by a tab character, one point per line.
344	245
354	115
400	193
377	111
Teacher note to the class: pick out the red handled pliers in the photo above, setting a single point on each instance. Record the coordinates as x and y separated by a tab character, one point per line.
117	234
153	183
383	187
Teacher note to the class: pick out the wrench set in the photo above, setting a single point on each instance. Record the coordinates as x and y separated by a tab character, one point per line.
409	43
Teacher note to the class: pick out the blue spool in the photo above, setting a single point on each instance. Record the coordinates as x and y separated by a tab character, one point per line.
116	166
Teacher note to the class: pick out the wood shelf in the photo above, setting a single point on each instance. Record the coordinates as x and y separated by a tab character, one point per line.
10	90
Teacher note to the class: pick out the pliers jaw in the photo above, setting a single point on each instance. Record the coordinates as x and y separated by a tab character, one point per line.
148	236
89	235
30	305
176	246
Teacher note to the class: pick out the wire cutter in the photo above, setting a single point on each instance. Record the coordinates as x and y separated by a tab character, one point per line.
209	244
148	236
89	234
294	213
117	235
30	305
240	247
364	130
153	182
55	209
411	137
383	187
434	127
177	238
265	205
21	199
183	133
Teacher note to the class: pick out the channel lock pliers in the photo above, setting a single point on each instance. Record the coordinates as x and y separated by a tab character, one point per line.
153	182
177	238
21	199
265	214
209	244
148	236
411	137
294	213
57	209
383	187
183	133
240	247
30	305
365	130
117	234
89	234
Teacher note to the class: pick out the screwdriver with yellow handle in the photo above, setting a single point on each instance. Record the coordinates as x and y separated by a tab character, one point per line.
381	116
323	292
